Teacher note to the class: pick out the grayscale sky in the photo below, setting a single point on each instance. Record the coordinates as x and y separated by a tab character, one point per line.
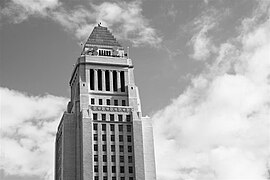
202	68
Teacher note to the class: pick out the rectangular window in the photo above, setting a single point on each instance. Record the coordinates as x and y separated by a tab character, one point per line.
113	178
99	72
104	158
103	127
112	127
95	168
130	169
103	117
121	159
130	178
100	101
128	138
122	178
108	102
105	169
123	103
120	127
107	80
122	79
128	128
96	158
92	79
92	101
95	127
129	159
112	148
111	117
120	138
114	81
104	147
95	137
96	178
128	118
95	116
95	147
122	169
105	177
120	117
113	158
129	148
103	137
112	138
113	169
116	102
121	148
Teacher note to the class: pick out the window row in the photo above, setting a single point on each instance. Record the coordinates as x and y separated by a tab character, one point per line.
104	138
121	148
121	158
112	117
108	102
117	78
112	127
113	178
122	169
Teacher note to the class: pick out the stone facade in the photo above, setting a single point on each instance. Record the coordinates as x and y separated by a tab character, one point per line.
102	135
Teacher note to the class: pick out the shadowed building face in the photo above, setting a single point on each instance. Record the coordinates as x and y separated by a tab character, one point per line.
102	135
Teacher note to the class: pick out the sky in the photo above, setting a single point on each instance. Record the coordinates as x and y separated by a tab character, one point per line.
202	68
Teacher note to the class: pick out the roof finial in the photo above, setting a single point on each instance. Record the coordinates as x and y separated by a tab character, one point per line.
99	24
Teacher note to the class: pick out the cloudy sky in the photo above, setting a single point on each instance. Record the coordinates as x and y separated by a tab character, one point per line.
202	67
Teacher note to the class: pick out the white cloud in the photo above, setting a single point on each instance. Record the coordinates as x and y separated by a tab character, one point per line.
219	128
29	124
124	18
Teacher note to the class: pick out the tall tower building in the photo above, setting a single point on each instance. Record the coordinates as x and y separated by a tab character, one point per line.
102	135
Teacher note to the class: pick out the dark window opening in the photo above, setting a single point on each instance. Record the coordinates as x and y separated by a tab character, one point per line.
112	138
114	80
122	159
129	148
113	158
99	80
96	158
120	138
95	116
108	102
92	101
128	118
130	169
95	168
122	79
104	158
128	128
104	147
95	137
129	159
113	148
121	148
112	127
104	127
92	79
111	117
113	170
107	80
105	169
128	138
120	117
103	117
123	103
116	102
100	102
120	128
122	169
95	127
95	147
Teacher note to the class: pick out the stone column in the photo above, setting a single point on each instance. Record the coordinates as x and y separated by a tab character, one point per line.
118	81
103	80
111	80
96	79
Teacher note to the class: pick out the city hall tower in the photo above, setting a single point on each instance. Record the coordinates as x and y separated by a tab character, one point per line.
102	135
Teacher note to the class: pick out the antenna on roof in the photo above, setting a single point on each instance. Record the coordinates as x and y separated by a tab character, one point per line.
99	24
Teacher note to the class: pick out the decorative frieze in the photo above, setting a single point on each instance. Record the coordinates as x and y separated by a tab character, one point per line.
111	109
